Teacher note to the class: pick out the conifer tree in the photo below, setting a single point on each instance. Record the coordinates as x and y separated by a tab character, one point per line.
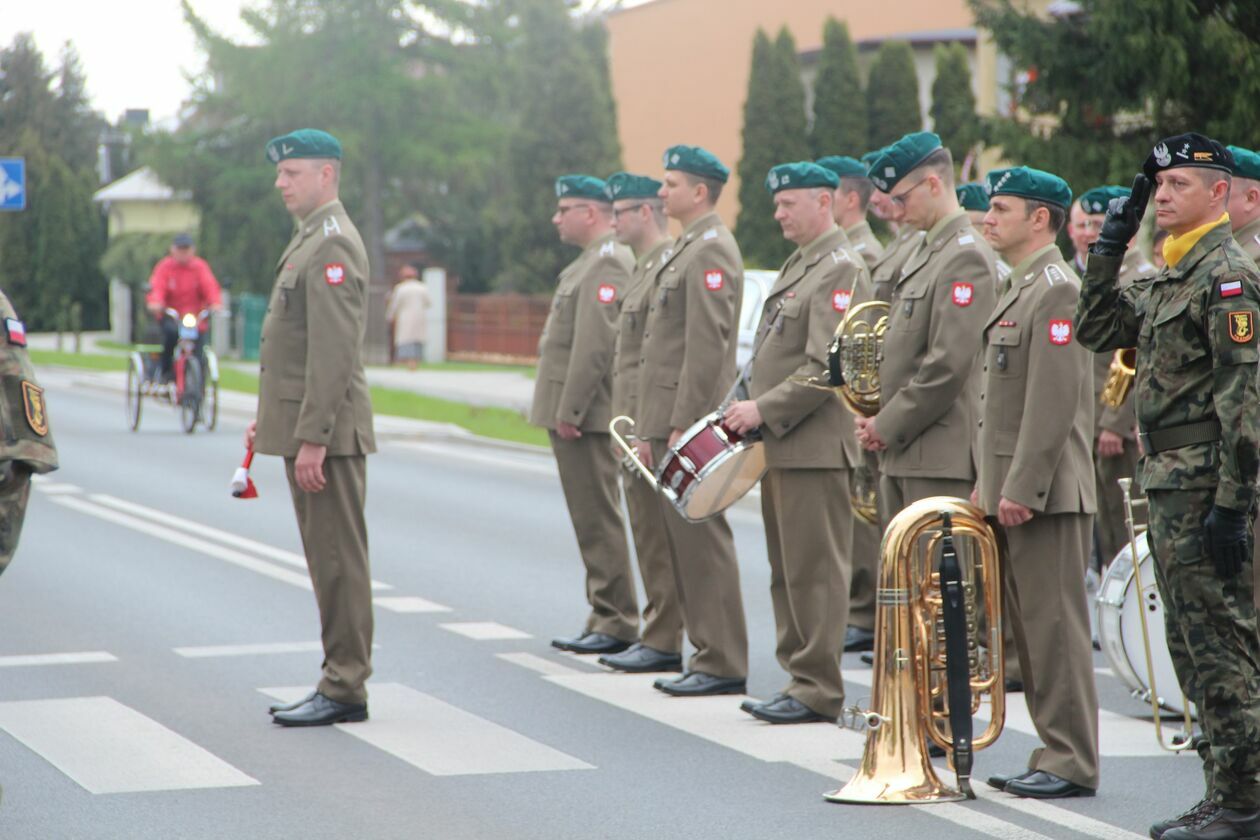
839	109
892	95
953	103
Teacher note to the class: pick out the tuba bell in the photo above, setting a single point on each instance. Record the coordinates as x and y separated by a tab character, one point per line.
1119	377
853	358
912	698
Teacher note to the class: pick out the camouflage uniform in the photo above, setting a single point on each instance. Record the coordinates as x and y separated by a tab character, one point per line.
27	444
1194	329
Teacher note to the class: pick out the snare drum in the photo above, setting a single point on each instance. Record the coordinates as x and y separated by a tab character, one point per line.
710	468
1120	628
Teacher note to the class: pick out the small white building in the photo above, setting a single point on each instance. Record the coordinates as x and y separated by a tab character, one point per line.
140	203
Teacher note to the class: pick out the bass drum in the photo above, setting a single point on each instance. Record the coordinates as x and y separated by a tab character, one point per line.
1120	627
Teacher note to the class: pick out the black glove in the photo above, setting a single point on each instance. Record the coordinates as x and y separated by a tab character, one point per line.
1227	537
1124	217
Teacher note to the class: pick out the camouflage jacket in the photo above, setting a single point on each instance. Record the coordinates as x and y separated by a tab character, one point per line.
25	435
1194	328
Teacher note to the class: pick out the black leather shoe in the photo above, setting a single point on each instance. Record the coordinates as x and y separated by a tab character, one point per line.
858	639
641	659
288	707
699	684
868	658
1184	818
591	643
750	703
1043	785
1216	823
788	710
1013	686
322	711
998	780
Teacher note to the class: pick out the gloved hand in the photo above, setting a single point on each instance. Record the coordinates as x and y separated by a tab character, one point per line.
1124	217
1227	538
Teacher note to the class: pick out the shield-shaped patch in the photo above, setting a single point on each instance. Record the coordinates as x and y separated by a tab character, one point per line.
1242	327
36	411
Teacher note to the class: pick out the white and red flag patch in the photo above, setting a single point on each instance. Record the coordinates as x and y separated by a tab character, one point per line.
1231	288
16	332
713	279
334	273
1060	331
963	293
840	300
607	293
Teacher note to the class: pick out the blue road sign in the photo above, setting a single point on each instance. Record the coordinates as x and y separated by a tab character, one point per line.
12	183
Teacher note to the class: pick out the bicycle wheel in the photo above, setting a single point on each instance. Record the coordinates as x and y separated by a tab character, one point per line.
135	391
210	406
190	402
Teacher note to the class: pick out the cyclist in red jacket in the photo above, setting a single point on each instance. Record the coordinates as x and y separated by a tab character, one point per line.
184	282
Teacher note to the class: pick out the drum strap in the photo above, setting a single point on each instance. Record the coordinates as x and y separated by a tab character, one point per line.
1175	437
957	664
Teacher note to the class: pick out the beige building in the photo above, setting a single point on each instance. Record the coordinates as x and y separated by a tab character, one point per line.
680	67
140	203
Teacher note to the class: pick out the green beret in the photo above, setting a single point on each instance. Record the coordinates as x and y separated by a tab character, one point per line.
697	161
897	161
973	197
1095	201
800	176
581	186
624	185
303	143
1189	149
844	167
869	157
1030	183
1246	162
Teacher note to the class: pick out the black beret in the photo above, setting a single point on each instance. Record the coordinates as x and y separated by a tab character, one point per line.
1187	150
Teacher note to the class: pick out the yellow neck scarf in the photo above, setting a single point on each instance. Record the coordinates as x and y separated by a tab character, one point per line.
1176	247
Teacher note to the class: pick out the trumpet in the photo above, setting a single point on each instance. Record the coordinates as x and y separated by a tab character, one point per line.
1119	377
853	359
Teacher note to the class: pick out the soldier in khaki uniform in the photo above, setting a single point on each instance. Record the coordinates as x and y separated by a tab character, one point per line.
853	196
572	400
687	366
1115	439
809	443
640	221
1244	201
315	412
1037	478
946	289
28	446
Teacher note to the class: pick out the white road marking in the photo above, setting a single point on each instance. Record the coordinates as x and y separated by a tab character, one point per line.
441	739
206	651
52	488
538	664
85	658
539	465
408	604
236	558
201	530
107	747
484	631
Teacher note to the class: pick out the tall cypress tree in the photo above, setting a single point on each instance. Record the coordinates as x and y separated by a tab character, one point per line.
953	104
839	110
774	133
892	95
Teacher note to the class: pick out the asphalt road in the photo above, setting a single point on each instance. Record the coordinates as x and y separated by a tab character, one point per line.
149	618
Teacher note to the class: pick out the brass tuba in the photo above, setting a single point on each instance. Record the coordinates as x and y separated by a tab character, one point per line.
910	695
853	358
1119	377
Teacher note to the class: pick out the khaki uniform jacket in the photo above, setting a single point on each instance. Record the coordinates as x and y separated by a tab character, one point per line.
1036	426
864	243
575	352
630	324
928	383
887	269
804	426
1122	420
1248	236
689	340
311	385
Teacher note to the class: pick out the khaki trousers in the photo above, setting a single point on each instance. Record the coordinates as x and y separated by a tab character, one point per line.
706	575
662	614
809	534
334	537
588	475
865	577
1109	522
1048	611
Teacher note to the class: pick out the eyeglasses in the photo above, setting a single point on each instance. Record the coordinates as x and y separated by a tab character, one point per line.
633	207
900	200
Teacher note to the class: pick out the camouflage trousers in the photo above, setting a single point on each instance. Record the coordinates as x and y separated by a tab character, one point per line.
15	490
1212	637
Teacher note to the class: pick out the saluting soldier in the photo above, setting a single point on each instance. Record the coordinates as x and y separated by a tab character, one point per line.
573	401
28	446
640	222
315	412
809	443
853	197
940	301
1115	440
1037	478
1244	200
686	367
1194	326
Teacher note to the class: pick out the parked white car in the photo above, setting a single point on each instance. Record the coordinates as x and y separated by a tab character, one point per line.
757	285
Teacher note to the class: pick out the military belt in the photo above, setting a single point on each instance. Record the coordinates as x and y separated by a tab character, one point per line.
1175	437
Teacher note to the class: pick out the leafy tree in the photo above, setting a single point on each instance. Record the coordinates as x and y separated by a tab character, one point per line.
839	116
892	95
953	103
774	133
